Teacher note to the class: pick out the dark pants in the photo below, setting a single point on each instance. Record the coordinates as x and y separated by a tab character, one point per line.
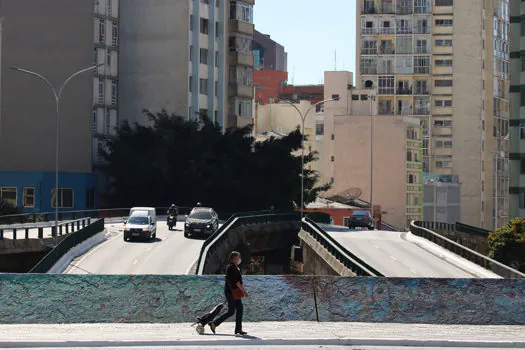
233	305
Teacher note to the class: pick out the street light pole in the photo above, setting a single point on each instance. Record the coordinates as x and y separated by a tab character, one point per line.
57	96
372	98
303	119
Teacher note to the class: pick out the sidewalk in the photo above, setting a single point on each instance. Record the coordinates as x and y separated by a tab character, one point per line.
281	334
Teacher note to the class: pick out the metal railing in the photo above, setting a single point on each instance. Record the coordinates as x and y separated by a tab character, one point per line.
66	245
387	227
457	227
416	227
64	227
349	260
235	221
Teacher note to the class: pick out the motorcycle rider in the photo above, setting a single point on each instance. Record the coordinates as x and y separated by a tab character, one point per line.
172	211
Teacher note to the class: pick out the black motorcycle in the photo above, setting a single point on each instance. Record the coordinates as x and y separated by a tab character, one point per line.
172	219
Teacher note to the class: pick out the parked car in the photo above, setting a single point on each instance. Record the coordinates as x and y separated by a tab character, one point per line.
201	220
142	223
361	218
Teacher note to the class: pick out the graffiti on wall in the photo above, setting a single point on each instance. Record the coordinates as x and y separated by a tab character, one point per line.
50	298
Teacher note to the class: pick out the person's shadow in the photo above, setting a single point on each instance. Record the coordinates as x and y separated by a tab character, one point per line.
233	335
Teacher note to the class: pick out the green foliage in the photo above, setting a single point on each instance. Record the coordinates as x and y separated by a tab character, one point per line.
184	162
507	244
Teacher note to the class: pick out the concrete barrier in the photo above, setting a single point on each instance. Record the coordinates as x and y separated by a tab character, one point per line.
47	298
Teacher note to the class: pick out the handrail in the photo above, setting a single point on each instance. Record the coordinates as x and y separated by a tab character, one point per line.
229	224
390	227
469	254
78	223
348	259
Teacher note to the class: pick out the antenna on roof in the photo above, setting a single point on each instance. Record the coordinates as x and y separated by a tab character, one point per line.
335	59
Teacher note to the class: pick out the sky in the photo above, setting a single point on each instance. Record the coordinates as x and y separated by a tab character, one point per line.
311	31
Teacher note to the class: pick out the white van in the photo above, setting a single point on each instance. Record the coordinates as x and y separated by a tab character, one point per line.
142	223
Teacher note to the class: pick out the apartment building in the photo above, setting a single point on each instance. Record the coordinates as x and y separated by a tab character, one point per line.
105	80
192	58
517	109
54	38
269	54
395	172
446	62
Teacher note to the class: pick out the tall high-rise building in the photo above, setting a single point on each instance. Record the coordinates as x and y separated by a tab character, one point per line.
446	62
32	38
269	54
192	58
517	109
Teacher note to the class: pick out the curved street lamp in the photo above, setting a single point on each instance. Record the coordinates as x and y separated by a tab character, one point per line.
303	119
57	95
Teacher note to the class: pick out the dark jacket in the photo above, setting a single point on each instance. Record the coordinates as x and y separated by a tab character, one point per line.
233	275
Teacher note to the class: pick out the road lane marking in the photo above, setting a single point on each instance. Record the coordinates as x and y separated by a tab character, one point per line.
414	272
135	262
85	256
391	257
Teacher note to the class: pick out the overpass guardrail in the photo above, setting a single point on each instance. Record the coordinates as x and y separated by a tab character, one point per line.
234	221
16	232
417	228
349	260
67	244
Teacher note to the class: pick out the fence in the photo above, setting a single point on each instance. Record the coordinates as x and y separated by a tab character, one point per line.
26	231
67	244
417	228
349	260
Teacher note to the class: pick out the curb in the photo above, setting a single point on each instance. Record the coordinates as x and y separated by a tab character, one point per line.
272	342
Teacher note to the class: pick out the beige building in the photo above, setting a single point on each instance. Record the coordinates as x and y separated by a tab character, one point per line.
282	118
446	62
397	151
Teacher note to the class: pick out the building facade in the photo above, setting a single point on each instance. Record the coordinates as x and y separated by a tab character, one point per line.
269	54
35	40
442	199
394	172
211	78
517	109
427	59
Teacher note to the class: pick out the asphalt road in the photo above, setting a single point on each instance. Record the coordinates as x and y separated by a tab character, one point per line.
393	256
169	253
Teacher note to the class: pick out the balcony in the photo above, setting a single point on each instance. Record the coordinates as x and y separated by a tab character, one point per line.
404	10
237	90
404	111
421	30
369	51
385	111
387	31
370	70
421	92
404	91
387	51
404	30
421	70
385	91
240	59
241	27
369	30
421	111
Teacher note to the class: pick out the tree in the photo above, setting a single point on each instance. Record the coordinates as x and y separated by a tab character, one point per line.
184	162
507	244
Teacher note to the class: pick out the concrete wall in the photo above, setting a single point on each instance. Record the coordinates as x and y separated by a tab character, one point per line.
55	39
154	58
172	299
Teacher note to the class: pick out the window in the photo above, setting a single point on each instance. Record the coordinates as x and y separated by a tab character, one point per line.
522	166
191	23
204	26
364	97
386	85
319	129
216	30
114	35
190	83
422	64
443	123
9	195
443	63
29	197
107	122
65	197
94	126
216	89
216	58
90	198
443	83
522	98
241	108
443	42
204	56
203	86
332	159
100	92
443	103
114	93
110	7
421	46
522	27
101	31
355	97
242	12
241	44
443	144
522	200
443	22
421	6
443	164
523	63
444	2
191	53
522	131
241	76
108	59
